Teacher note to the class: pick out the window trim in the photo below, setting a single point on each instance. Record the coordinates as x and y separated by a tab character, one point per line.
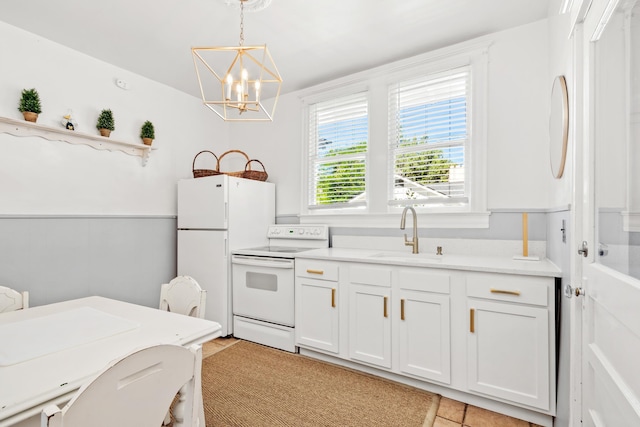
375	81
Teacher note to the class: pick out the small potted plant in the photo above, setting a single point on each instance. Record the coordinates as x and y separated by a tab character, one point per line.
147	133
30	105
106	124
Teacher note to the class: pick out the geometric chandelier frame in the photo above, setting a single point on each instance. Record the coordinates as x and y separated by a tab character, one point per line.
238	83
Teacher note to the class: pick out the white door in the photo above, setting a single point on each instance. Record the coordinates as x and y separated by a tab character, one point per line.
611	268
203	203
202	254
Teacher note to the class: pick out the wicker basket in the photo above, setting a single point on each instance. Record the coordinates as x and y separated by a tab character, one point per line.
238	174
199	173
256	175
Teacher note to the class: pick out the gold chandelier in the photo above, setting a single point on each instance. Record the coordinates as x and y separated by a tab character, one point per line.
238	83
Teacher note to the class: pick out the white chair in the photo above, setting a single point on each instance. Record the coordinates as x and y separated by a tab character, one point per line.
11	299
183	295
136	391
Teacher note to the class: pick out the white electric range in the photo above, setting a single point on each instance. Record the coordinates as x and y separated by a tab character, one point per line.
263	284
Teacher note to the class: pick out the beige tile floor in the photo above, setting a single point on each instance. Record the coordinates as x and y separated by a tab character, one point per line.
451	413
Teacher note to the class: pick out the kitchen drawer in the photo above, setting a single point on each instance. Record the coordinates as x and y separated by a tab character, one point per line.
508	287
370	275
425	279
317	269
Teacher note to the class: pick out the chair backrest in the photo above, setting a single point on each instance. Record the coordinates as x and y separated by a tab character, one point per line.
11	299
183	295
135	391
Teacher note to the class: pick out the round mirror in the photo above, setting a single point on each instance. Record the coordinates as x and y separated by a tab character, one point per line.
558	126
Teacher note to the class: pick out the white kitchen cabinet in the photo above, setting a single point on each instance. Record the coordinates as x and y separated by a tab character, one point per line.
424	323
370	325
424	335
369	314
509	338
316	302
480	332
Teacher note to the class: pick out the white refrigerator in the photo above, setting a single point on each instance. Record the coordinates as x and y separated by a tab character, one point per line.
217	214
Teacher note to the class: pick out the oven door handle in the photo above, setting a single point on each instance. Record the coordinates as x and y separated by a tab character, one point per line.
262	261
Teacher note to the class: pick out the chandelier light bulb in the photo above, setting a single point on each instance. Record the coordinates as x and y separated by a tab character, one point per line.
229	83
245	82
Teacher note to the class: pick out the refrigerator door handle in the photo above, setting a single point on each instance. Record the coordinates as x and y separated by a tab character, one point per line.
262	262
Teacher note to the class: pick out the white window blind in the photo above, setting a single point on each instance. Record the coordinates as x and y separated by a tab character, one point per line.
338	141
428	133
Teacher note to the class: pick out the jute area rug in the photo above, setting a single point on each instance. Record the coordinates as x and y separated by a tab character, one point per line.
252	385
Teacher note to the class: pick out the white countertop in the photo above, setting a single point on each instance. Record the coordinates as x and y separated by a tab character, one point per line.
490	264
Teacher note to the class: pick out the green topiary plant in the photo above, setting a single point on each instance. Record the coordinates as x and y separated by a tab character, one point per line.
30	101
147	130
106	121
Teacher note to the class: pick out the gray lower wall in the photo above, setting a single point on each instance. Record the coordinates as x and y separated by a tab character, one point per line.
60	258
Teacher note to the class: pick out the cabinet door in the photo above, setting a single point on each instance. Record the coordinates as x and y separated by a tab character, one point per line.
508	352
370	324
317	314
424	335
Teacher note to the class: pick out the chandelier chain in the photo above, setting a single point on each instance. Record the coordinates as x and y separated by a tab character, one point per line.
242	22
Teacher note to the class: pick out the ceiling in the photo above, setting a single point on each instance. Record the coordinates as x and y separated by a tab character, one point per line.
311	41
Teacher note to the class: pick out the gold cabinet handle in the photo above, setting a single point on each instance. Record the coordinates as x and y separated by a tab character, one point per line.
402	309
386	314
504	291
472	320
333	297
311	271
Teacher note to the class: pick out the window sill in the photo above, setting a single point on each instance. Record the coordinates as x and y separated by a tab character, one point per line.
388	220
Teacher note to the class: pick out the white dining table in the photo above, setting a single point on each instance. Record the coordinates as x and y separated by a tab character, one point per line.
48	352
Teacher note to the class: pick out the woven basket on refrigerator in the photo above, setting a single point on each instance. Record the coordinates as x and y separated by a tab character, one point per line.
238	174
256	175
199	173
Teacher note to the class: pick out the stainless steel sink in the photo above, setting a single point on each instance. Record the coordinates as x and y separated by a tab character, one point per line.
408	257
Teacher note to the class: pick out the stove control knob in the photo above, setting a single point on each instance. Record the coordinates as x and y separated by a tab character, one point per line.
301	231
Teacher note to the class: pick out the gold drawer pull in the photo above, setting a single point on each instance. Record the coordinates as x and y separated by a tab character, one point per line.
503	291
402	309
472	320
386	299
310	271
333	297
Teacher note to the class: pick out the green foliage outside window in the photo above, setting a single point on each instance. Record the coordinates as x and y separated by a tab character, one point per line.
342	180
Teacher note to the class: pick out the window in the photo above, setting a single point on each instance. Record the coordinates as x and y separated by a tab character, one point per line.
427	137
408	133
338	141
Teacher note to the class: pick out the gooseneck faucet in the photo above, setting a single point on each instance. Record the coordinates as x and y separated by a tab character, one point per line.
414	241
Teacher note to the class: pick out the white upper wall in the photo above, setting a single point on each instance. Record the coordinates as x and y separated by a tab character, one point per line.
519	175
43	177
38	176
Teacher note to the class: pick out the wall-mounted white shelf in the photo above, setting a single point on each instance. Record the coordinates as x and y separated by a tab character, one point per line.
25	128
